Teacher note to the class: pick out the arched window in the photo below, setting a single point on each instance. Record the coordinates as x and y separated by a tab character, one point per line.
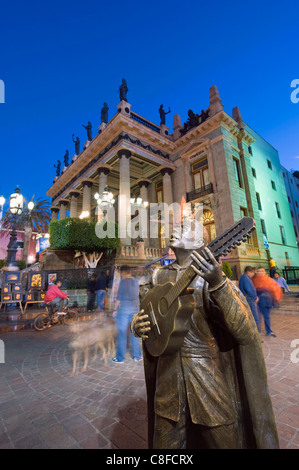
209	223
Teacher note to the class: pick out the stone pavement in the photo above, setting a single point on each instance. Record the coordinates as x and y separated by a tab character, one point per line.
42	407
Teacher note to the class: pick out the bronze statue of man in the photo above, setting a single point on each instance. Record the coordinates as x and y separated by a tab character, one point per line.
163	113
211	393
88	129
77	144
104	113
123	90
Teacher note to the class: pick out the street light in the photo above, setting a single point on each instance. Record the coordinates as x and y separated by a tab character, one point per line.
138	204
16	201
105	200
30	206
2	202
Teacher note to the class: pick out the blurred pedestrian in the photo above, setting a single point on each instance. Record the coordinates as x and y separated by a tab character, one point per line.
101	289
282	282
91	292
127	304
272	267
269	294
248	290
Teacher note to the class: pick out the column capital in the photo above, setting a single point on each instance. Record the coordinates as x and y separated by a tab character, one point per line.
124	152
104	169
166	170
74	194
143	182
54	209
87	182
63	202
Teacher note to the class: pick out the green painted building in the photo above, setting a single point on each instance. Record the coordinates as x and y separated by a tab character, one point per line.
272	201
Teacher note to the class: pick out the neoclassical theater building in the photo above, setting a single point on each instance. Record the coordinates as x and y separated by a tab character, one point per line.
208	159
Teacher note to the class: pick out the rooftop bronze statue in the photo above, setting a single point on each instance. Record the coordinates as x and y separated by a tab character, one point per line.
209	388
66	158
58	168
88	129
163	114
77	144
104	113
123	90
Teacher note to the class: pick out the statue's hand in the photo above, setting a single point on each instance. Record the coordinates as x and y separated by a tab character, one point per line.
140	325
209	270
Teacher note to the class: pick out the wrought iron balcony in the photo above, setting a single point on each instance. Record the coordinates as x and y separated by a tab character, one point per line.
199	192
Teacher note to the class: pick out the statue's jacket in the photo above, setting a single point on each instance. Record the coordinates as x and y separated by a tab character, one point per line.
220	367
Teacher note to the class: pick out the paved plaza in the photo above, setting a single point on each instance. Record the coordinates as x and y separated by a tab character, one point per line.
43	407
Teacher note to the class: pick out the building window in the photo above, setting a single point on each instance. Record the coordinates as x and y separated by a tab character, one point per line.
295	230
159	192
282	234
237	172
287	258
250	150
289	199
269	164
263	227
209	224
258	200
200	174
292	213
20	244
277	210
253	172
273	185
296	203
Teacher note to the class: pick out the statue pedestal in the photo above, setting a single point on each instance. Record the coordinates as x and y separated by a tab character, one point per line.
164	130
56	178
87	144
124	108
64	168
74	157
102	126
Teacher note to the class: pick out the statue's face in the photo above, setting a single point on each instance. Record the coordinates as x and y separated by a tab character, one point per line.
189	236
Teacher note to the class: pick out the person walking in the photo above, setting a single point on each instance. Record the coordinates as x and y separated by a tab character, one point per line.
91	292
248	290
127	305
101	289
282	282
272	267
269	294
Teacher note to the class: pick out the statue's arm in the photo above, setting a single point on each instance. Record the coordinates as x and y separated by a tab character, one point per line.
234	311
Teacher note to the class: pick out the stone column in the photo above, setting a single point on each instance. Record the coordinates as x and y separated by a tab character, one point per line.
86	203
103	172
167	198
54	212
143	185
63	206
124	209
74	203
167	186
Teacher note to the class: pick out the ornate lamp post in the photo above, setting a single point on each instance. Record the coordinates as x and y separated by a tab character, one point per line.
138	204
2	202
16	201
105	200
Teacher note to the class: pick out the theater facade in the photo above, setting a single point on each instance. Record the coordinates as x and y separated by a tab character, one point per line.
207	159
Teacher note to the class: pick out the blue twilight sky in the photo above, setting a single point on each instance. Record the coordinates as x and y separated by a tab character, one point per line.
60	60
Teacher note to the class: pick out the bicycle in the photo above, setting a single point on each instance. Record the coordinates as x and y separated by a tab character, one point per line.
45	320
